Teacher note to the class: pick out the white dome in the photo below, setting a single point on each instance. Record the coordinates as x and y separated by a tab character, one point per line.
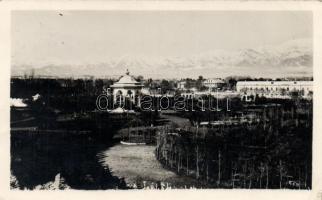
126	79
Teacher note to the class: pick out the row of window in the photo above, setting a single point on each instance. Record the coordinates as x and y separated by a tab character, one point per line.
276	89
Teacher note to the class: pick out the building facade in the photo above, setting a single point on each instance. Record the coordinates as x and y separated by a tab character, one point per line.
275	89
213	83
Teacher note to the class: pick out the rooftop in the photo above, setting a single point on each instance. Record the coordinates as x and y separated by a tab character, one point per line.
126	80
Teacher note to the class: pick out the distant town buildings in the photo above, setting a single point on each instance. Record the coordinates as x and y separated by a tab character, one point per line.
200	84
275	89
217	94
128	87
213	83
181	85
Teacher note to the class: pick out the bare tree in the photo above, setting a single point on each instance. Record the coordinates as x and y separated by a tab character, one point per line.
219	167
261	171
197	161
282	172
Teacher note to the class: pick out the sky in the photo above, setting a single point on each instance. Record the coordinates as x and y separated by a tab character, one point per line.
41	38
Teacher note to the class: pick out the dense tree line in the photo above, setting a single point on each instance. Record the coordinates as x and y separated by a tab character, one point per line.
275	153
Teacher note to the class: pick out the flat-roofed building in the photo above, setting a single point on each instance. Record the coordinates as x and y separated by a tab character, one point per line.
275	89
213	83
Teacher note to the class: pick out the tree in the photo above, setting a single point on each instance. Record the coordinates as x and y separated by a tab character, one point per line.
283	91
140	78
232	83
165	86
261	171
295	95
282	172
199	83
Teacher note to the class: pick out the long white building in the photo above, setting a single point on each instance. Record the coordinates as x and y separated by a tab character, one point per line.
275	89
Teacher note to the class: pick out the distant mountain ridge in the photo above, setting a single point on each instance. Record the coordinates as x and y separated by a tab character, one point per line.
291	57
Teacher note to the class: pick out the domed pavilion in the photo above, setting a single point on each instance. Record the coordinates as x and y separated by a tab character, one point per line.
126	87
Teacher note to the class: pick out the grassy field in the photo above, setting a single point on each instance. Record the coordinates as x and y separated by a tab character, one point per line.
138	163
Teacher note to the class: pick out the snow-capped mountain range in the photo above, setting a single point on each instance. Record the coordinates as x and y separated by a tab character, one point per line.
293	57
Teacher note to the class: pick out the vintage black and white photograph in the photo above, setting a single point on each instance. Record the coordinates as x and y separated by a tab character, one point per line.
170	99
